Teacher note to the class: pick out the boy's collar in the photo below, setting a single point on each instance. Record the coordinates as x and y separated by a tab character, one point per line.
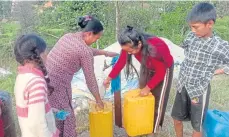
207	38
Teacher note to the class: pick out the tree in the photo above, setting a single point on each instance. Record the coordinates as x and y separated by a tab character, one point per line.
5	9
24	13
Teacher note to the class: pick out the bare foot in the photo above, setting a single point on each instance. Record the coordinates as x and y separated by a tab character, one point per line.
150	135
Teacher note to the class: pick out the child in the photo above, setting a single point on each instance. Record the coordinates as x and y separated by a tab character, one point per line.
156	67
35	115
204	53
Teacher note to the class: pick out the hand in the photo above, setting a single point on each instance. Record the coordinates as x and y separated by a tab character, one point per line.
111	54
107	82
55	110
100	104
145	91
219	71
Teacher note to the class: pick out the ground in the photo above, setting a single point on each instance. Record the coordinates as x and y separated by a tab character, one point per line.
219	100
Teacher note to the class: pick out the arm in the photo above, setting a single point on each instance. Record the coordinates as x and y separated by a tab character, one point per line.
159	75
36	96
119	65
187	40
225	57
87	64
226	69
97	52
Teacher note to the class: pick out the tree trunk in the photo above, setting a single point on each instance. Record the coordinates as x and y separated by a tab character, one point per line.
117	19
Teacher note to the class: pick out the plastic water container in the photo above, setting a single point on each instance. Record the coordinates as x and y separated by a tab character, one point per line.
216	124
101	121
138	113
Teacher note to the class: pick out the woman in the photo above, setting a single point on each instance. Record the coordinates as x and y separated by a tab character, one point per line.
71	53
156	67
35	116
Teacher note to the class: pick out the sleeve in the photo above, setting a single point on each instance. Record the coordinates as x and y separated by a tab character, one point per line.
87	64
163	51
119	65
159	75
187	40
226	69
97	52
36	96
225	57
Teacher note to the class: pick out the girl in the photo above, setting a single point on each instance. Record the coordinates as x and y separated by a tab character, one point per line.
156	67
35	115
71	53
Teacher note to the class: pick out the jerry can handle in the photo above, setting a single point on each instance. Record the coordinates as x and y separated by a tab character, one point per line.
142	96
217	112
97	109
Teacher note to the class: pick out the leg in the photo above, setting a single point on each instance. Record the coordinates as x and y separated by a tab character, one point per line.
180	111
196	134
60	127
169	79
70	126
199	107
178	127
161	94
157	92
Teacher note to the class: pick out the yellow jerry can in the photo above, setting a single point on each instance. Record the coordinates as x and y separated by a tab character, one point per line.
101	121
138	113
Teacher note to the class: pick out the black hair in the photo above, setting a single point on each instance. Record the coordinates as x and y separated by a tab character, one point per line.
202	12
28	48
133	36
89	23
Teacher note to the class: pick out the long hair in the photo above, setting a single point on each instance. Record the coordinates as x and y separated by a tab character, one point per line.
29	47
132	36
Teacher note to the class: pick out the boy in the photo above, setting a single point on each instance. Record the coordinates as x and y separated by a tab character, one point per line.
204	53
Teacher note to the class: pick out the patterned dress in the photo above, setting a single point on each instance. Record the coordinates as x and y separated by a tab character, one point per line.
68	56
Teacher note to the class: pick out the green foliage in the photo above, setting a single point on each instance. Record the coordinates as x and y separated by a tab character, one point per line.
165	19
172	24
7	83
222	27
63	19
9	32
50	35
139	15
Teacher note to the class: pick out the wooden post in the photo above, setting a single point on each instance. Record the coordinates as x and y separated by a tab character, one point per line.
116	89
118	108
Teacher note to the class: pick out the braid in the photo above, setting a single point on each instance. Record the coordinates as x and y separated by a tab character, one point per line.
42	67
28	48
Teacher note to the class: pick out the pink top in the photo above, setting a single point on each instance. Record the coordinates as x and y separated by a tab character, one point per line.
35	115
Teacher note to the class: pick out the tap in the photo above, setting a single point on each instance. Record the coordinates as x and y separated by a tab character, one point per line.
105	66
